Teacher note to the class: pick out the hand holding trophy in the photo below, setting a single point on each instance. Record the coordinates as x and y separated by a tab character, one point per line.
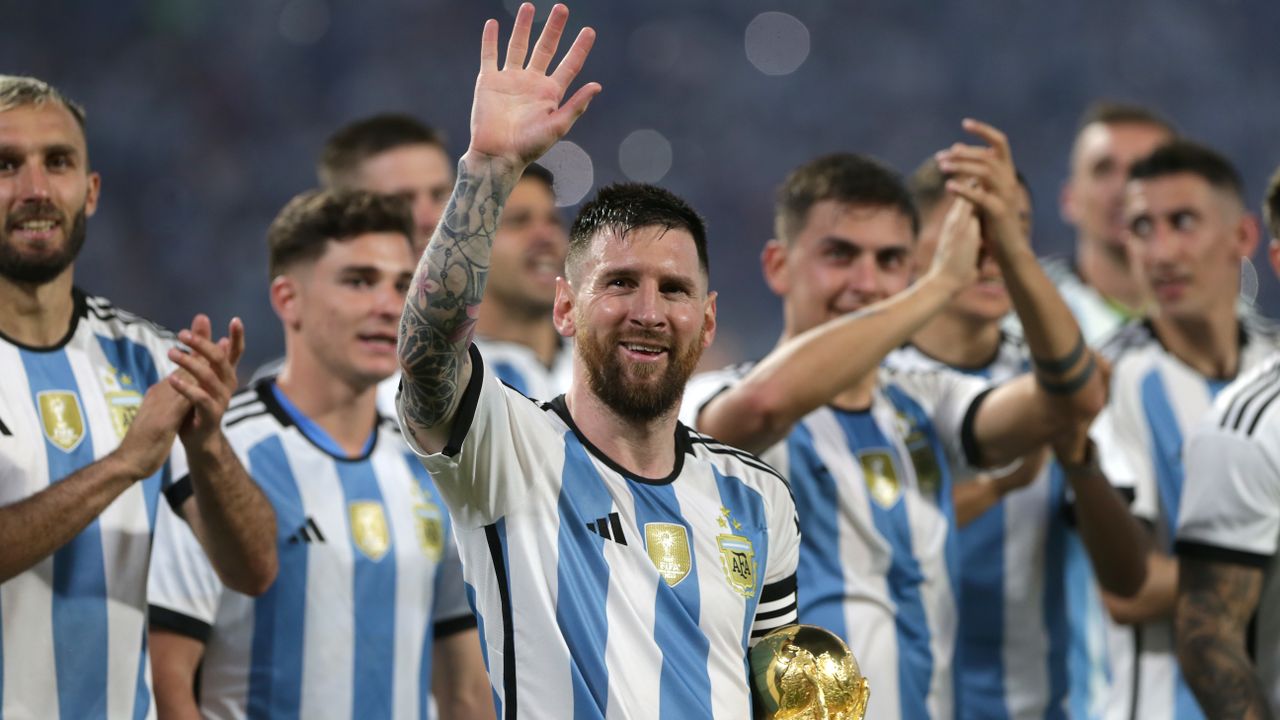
803	672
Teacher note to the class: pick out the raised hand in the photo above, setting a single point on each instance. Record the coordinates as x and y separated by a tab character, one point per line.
207	378
959	244
517	114
995	192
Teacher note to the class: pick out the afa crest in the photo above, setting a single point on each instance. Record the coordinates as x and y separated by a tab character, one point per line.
369	529
123	406
668	547
62	418
881	476
738	558
429	523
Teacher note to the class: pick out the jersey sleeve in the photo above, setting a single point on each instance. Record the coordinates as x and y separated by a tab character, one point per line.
700	391
1122	441
451	612
494	452
778	604
951	400
1230	508
183	591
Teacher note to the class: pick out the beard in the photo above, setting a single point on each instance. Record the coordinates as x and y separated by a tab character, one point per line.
42	268
639	393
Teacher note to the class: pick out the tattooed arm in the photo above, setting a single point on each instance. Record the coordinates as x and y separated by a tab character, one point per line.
1216	601
516	116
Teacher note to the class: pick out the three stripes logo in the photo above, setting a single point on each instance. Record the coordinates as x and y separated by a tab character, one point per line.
308	533
609	527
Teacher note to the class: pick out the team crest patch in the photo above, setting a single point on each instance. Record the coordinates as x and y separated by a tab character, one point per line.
881	477
123	406
668	546
369	529
429	522
739	560
61	417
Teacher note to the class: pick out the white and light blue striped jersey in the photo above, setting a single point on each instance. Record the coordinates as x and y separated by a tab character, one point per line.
387	389
72	640
878	556
518	366
1011	652
1155	400
602	594
369	574
1230	509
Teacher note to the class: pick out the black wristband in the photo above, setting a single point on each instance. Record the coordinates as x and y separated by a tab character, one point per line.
1087	467
1060	365
1069	387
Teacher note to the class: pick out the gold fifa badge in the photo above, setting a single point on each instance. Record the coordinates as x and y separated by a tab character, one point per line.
369	529
668	547
123	406
881	476
430	526
62	418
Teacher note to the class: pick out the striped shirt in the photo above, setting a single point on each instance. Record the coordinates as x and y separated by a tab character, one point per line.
601	593
518	366
72	640
369	574
878	558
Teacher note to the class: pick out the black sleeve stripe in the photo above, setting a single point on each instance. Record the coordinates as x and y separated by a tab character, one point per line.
176	622
4	429
445	628
780	612
1262	409
968	438
778	590
178	493
498	557
1246	395
236	421
466	413
1213	553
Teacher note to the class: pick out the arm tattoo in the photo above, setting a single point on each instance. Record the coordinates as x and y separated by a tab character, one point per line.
1215	602
440	312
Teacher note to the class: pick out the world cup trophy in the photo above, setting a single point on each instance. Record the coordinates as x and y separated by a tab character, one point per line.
803	672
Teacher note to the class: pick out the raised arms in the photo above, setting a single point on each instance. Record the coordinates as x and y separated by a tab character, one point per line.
516	116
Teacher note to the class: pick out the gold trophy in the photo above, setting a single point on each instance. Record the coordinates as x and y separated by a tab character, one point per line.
803	672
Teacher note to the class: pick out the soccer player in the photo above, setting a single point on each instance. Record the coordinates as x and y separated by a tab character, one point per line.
1227	630
622	564
369	612
90	405
871	455
1015	526
1188	231
1099	284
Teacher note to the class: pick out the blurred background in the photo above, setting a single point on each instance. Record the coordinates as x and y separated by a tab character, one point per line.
205	117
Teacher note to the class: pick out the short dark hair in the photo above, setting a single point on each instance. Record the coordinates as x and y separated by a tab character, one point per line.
928	186
623	207
1109	112
1271	206
315	218
540	173
20	91
848	179
356	142
1183	156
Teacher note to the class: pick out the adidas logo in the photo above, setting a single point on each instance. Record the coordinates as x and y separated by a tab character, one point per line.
609	527
308	533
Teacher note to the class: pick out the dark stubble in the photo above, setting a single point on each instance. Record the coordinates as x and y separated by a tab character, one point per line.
640	394
27	269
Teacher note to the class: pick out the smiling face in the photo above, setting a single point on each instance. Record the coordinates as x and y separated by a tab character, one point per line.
843	259
528	251
46	192
640	314
1187	238
343	309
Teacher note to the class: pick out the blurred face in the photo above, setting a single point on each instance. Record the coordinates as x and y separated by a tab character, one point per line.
528	251
843	259
1186	239
987	300
46	192
1093	200
640	315
419	173
345	306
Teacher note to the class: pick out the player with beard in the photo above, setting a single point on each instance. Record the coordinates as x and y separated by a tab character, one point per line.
621	563
91	401
871	454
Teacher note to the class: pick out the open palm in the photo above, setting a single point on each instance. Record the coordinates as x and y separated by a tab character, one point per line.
517	114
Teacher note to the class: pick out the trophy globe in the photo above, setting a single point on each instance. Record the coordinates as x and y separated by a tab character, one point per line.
803	672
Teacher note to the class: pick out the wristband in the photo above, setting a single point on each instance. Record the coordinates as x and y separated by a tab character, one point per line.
1069	387
1062	364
